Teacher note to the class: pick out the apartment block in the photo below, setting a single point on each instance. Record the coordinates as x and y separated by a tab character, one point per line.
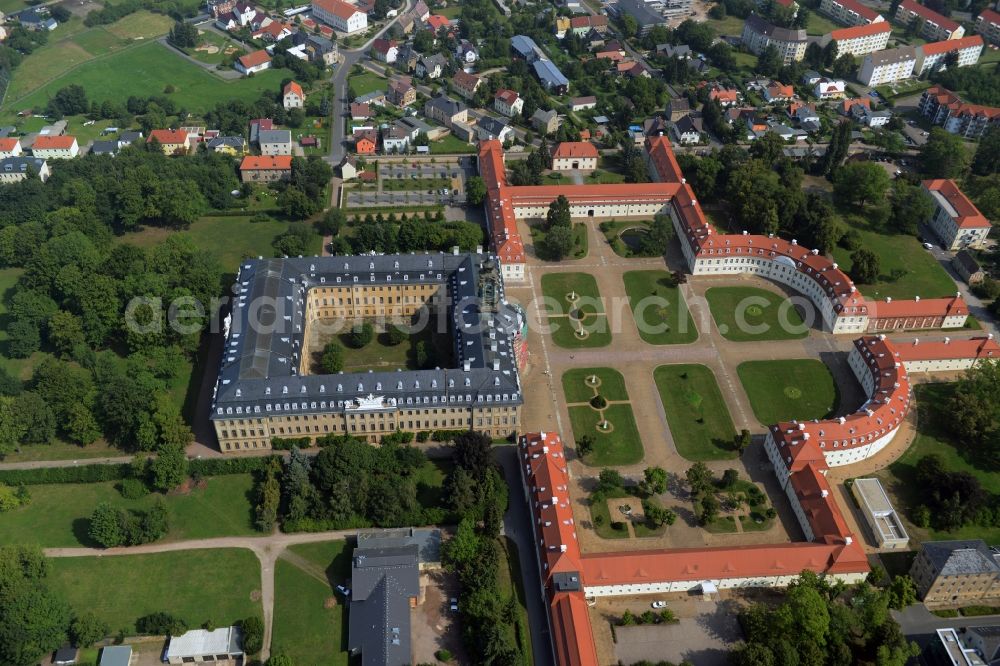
888	66
860	39
758	34
849	12
935	27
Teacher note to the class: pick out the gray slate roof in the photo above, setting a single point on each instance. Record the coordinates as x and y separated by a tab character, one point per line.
382	582
954	558
104	147
274	136
259	369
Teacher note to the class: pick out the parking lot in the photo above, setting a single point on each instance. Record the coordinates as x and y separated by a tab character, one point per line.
434	625
415	183
367	199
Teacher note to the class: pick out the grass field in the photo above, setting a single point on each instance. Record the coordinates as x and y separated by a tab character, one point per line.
217	586
141	25
143	71
538	234
364	83
304	628
59	515
621	445
665	309
379	355
558	286
731	25
576	388
451	145
749	314
599	512
596	326
58	450
696	412
933	437
921	276
509	578
799	389
209	38
820	25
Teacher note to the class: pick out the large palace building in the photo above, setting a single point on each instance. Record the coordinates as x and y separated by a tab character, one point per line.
265	388
843	308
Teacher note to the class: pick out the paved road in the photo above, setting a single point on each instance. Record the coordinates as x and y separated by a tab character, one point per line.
920	625
267	549
517	526
227	74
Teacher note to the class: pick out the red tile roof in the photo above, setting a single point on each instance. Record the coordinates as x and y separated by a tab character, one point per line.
953	306
8	144
854	32
506	96
465	80
575	149
293	87
45	142
967	215
989	16
945	97
337	8
854	6
168	137
931	350
950	45
266	163
436	22
928	14
254	59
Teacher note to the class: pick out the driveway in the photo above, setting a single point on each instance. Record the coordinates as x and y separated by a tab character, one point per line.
704	639
920	625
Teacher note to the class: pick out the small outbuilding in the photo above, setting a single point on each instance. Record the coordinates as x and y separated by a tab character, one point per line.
199	645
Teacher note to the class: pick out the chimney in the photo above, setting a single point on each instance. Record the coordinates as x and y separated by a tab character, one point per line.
916	298
947	340
825	493
888	299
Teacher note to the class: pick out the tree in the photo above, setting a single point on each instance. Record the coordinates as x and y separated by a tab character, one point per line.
23	338
585	446
860	182
332	359
986	161
475	190
86	629
654	480
331	222
472	452
902	592
769	61
977	397
361	335
709	509
183	35
944	155
865	266
69	101
296	204
160	624
656	514
911	205
843	66
729	478
253	634
699	478
32	618
106	526
836	152
557	244
395	335
743	440
558	214
168	469
280	660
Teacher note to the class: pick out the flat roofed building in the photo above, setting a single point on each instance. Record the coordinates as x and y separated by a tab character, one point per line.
199	645
953	648
266	387
115	655
879	514
956	573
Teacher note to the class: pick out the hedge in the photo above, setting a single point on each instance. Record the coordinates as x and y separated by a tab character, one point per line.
287	444
97	473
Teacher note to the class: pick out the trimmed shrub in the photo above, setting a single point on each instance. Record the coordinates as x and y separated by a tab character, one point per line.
288	443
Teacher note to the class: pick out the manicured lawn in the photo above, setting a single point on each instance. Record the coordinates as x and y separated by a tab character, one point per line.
143	71
362	84
596	326
819	24
216	586
382	356
696	412
932	437
538	234
605	177
305	629
799	389
58	450
659	308
450	145
558	286
612	230
748	314
920	273
209	41
620	446
576	388
599	507
59	514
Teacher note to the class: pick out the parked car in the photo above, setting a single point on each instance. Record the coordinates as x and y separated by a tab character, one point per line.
346	591
928	246
453	604
659	604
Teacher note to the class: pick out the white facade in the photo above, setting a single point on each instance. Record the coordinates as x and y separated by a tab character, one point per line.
887	66
571	163
941	365
966	56
847	12
596	208
829	89
340	15
292	100
862	44
57	153
512	271
694	585
11	151
12	170
508	107
944	223
882	520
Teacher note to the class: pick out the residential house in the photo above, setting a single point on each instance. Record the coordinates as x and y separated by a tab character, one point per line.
859	40
432	66
464	131
949	53
35	18
562	26
361	111
951	574
656	126
446	110
829	89
466	52
227	145
385	50
888	66
811	77
219	7
61	147
545	122
342	16
934	26
864	114
682	51
421	11
349	168
699	65
10	147
946	109
395	139
256	125
115	655
292	96
988	25
257	61
273	31
849	12
104	147
583	103
489	128
967	267
275	142
677	108
724	96
688	129
172	142
466	84
784	131
374	98
956	220
805	114
758	34
508	102
575	156
406	23
365	142
778	92
436	21
321	49
401	92
582	25
201	645
13	169
415	127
